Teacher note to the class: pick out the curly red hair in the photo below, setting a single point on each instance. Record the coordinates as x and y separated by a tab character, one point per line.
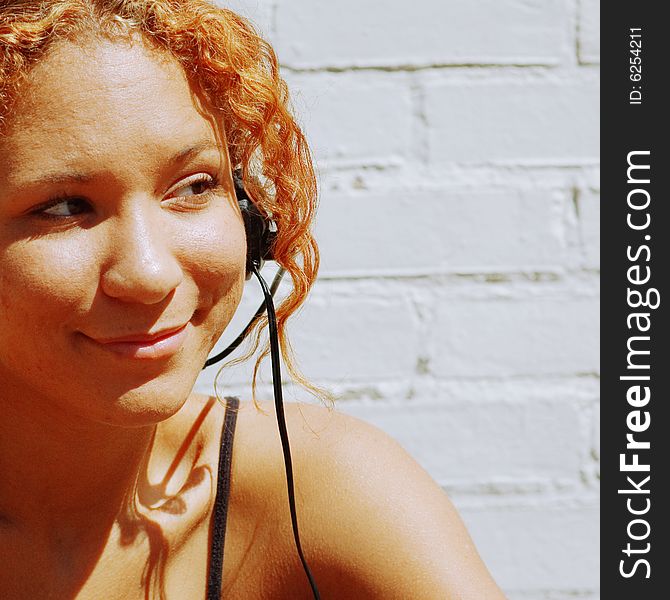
237	72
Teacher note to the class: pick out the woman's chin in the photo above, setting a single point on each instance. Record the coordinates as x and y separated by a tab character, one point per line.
144	404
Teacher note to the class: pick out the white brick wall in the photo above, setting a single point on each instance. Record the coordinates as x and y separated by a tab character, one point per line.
457	147
470	219
589	227
350	33
526	335
589	31
514	118
354	118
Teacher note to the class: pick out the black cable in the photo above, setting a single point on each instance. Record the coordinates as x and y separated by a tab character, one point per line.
240	338
281	422
268	304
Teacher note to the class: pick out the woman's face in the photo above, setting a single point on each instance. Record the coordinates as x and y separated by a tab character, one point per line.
118	224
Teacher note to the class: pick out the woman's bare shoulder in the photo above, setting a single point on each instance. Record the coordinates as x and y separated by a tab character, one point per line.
372	522
258	458
321	439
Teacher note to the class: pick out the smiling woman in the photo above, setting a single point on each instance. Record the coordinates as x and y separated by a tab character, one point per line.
122	260
125	250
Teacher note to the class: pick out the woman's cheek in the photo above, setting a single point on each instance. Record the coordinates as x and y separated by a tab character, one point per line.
47	279
41	297
216	253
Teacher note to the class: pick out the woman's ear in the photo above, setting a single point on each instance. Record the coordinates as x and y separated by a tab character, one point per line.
260	229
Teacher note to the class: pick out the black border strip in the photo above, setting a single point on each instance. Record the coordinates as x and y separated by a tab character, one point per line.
634	119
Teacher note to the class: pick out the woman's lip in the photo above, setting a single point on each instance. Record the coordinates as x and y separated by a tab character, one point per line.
161	345
141	338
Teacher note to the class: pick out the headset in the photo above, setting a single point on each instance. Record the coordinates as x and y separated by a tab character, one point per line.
261	232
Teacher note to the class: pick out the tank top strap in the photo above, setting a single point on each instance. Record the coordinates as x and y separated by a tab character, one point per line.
218	531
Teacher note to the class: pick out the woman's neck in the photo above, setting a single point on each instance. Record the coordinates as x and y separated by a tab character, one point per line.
65	478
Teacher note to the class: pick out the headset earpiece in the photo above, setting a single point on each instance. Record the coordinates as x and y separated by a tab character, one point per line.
260	229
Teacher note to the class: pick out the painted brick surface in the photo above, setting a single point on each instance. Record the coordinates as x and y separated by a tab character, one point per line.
536	120
516	337
524	544
589	31
445	230
354	118
258	12
341	350
589	209
527	441
390	33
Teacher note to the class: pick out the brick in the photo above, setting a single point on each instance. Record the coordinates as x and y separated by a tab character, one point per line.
423	32
354	118
589	222
595	442
513	120
542	547
259	12
589	31
357	337
483	443
444	230
514	337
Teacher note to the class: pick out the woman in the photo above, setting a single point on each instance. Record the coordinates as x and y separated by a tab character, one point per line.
122	260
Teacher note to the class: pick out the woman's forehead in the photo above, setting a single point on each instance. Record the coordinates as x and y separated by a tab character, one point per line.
101	98
118	74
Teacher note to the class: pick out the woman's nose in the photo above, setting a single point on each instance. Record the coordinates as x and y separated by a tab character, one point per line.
142	266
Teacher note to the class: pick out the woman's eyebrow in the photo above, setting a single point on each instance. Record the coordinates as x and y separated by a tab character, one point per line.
193	150
178	158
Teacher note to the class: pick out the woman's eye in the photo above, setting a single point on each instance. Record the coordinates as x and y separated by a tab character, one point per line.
65	207
196	187
194	194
